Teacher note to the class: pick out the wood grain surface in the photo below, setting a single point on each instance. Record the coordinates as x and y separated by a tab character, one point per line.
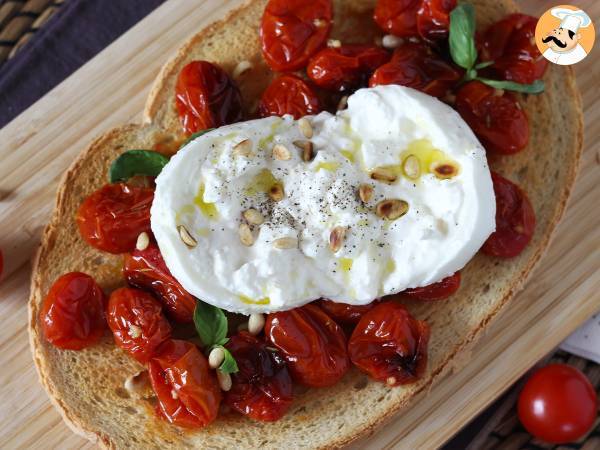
37	147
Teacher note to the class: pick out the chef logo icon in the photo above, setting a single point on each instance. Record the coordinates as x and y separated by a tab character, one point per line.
565	35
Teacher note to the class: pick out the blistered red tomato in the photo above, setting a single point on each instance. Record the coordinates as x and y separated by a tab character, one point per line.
558	404
510	43
187	390
72	313
344	313
346	67
433	18
313	345
515	220
417	66
289	94
137	322
390	345
292	31
146	269
206	97
494	116
398	17
262	388
436	291
112	218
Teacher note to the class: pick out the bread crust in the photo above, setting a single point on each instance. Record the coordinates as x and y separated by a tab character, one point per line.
53	365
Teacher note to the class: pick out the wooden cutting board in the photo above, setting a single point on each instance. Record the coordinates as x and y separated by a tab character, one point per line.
37	147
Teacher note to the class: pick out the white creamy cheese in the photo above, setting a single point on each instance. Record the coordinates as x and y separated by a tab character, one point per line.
208	185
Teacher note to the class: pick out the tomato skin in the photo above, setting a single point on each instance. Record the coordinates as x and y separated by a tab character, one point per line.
206	97
390	345
291	31
289	94
112	218
436	291
497	120
433	19
510	43
132	311
343	313
347	67
262	388
187	390
558	404
146	269
515	220
72	314
416	65
313	345
398	17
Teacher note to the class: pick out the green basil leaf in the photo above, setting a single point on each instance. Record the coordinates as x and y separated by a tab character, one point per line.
194	136
137	162
461	37
229	365
484	64
534	88
211	324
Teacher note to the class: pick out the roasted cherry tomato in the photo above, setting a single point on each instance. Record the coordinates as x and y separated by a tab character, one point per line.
262	388
72	314
436	291
390	345
313	345
137	322
146	269
347	67
433	18
292	31
398	17
515	220
510	43
343	313
288	94
417	66
112	218
187	390
206	97
558	404
494	116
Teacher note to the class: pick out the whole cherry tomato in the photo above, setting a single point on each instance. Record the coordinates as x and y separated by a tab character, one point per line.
137	322
289	94
398	17
417	66
262	388
515	220
390	345
510	43
558	404
433	18
146	269
343	313
292	31
112	218
346	67
205	97
436	291
494	116
72	313
187	390
313	345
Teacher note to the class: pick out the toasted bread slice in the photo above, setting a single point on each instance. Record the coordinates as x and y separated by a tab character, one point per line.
87	386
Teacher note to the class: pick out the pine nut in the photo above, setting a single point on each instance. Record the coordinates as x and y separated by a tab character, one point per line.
276	192
445	170
384	175
224	380
411	167
216	357
281	153
365	192
253	217
336	238
391	209
307	150
243	148
305	128
245	233
186	237
256	323
285	243
143	241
